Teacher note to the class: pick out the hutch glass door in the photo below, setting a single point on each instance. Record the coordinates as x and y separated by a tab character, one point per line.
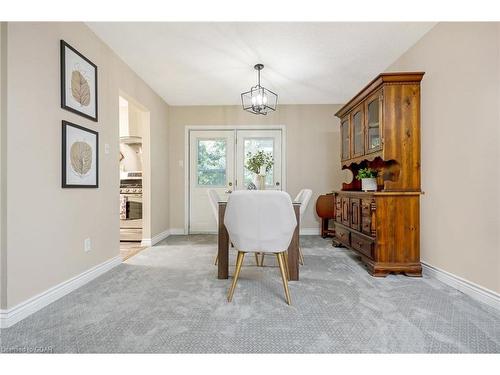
358	133
373	142
344	133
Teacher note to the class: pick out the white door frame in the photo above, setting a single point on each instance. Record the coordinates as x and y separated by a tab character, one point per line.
187	161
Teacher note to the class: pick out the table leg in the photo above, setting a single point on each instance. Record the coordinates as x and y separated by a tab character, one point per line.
293	249
223	244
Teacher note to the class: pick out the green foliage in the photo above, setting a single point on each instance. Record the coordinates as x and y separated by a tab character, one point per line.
366	173
260	158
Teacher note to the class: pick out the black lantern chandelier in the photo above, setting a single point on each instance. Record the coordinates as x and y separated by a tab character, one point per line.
259	100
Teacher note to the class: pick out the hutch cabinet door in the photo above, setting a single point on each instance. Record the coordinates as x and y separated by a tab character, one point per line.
358	132
338	209
373	126
345	145
366	217
355	206
345	211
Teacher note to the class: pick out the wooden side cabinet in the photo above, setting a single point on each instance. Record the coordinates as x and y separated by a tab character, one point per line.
380	129
383	230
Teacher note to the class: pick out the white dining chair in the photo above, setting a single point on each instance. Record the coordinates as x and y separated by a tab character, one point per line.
214	199
303	197
260	221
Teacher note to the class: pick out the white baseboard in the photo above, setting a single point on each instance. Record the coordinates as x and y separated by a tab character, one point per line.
177	231
148	242
473	290
156	238
17	313
310	231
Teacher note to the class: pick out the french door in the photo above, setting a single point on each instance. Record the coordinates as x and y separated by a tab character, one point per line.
217	160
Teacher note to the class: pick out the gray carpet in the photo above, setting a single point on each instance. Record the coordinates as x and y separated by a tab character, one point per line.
167	299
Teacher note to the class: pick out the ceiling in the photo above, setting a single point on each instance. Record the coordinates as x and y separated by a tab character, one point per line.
212	63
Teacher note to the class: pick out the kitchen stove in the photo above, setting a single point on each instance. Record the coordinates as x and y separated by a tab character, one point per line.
131	206
131	190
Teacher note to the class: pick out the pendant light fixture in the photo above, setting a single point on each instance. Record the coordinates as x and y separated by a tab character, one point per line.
259	100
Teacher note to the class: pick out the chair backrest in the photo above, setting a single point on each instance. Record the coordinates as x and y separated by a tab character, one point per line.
303	197
260	221
213	198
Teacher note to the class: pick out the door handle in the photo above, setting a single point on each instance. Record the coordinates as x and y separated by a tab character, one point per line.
228	191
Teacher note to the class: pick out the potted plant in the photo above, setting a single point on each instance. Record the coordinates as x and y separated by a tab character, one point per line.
368	179
260	163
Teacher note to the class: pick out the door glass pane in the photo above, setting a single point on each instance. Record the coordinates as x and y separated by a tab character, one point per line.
373	125
252	146
211	167
345	140
358	133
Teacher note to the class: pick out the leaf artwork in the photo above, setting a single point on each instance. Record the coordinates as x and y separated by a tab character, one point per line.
80	88
81	158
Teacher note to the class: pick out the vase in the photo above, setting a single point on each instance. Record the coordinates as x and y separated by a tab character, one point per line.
369	184
260	181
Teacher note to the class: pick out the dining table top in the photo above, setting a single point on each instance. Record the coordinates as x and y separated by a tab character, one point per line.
223	200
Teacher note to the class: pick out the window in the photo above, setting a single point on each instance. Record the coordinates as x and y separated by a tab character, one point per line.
211	164
253	145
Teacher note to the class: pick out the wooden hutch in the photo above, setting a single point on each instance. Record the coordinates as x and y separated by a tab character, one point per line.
380	129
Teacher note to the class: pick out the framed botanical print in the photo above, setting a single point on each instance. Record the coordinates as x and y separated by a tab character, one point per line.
78	83
80	156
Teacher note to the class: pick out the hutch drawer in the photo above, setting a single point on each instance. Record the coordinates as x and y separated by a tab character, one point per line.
363	245
343	235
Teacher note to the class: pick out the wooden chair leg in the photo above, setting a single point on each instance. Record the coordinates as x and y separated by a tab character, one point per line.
216	259
262	260
301	257
239	262
284	277
257	259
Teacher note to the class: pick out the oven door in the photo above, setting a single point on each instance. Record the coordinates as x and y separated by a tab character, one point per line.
134	206
131	225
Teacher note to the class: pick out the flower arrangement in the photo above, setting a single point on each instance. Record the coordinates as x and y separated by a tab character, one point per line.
259	163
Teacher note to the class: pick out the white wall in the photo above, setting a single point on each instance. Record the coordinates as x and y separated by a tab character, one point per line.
460	148
3	148
313	156
47	224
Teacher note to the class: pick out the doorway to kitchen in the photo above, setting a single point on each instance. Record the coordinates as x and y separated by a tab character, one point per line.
134	176
218	159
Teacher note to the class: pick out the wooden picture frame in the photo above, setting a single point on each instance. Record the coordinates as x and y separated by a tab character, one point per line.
80	156
78	83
